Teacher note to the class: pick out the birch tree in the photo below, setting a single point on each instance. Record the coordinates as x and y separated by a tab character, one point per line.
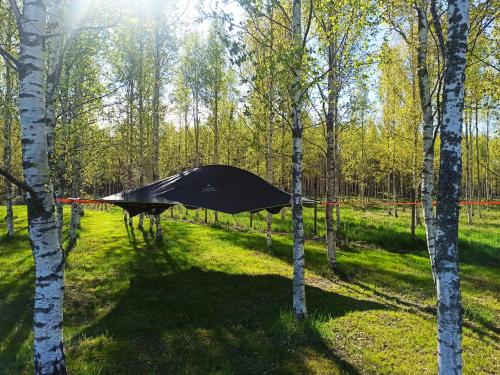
163	52
449	311
424	88
54	65
49	261
299	292
343	27
8	118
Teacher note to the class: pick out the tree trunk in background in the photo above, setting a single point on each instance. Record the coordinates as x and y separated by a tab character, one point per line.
54	68
130	137
76	173
299	291
478	171
216	136
196	120
487	169
60	166
140	92
156	118
337	170
283	167
7	151
49	261
394	191
269	176
468	169
363	162
449	310
330	162
427	184
54	64
269	139
413	194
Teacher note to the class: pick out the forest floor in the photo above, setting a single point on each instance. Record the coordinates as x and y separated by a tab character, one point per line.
209	299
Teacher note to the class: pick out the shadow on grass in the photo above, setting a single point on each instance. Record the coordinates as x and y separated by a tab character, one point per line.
177	319
401	283
396	238
16	312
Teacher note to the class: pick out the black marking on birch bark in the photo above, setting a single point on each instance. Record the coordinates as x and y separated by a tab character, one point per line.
42	338
32	40
59	368
55	348
39	121
39	324
29	164
27	141
42	310
50	277
50	253
26	68
26	95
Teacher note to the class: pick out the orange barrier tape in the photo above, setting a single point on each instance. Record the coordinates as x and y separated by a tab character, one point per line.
80	201
100	201
480	203
326	204
465	203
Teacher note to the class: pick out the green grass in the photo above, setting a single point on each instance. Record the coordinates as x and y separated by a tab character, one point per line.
210	300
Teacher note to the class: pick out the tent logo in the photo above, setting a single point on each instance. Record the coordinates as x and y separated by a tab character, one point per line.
209	188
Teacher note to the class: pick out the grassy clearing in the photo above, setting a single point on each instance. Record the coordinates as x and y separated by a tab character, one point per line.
210	300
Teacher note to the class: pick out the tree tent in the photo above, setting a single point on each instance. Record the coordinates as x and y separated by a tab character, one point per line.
216	187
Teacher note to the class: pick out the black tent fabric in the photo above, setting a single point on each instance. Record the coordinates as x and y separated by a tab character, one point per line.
216	187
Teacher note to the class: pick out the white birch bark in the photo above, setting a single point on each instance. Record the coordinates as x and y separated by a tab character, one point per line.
299	292
427	184
140	92
269	139
468	169
54	64
156	118
330	162
7	150
478	165
49	261
269	176
76	182
449	312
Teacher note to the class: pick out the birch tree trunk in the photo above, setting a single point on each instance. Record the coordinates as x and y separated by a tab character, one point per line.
54	65
49	261
468	169
449	311
269	174
140	92
337	169
269	138
216	131
299	292
427	184
76	173
330	162
487	169
7	151
156	118
478	165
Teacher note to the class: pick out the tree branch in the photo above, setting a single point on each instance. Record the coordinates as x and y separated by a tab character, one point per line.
11	60
17	15
308	27
19	183
438	28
